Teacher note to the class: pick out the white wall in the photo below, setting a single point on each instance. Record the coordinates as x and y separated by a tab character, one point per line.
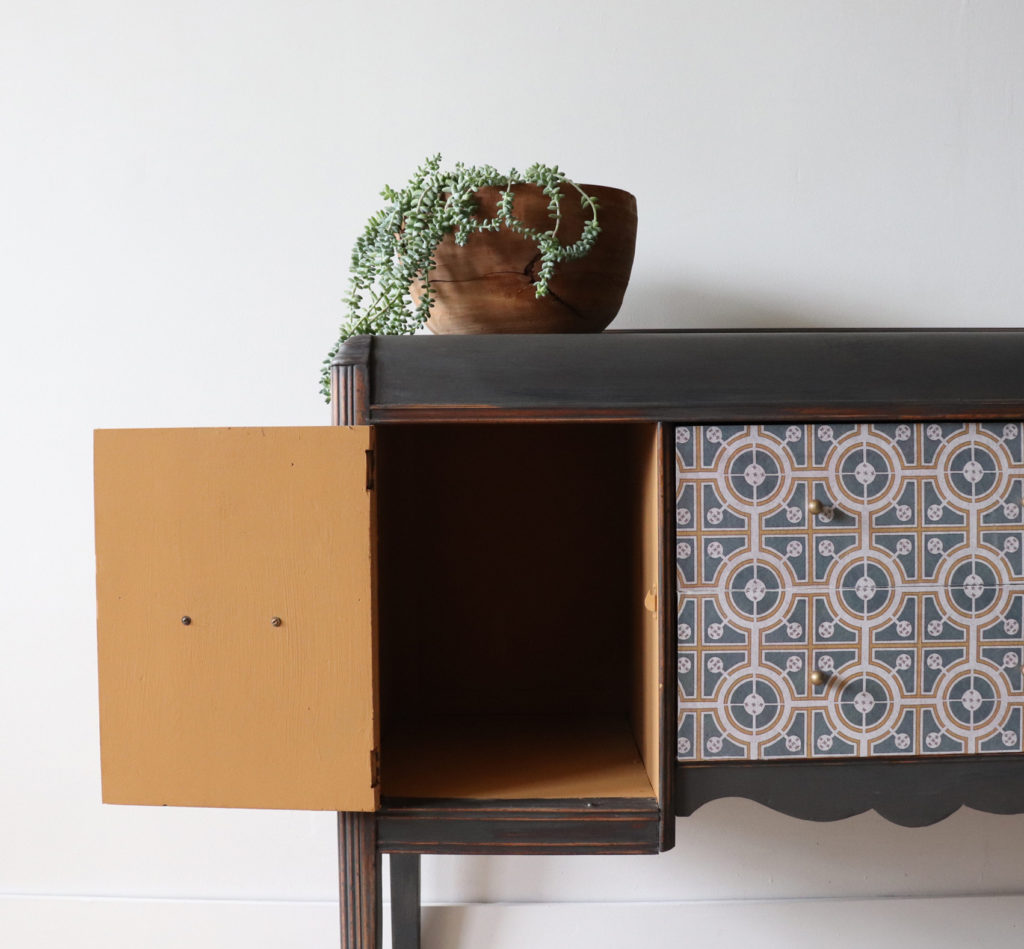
180	182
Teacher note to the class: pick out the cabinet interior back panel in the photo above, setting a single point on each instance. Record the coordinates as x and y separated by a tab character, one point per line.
905	591
513	591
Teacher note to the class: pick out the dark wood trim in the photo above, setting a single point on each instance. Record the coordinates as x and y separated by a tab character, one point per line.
700	376
809	330
405	900
691	377
708	413
912	792
355	351
597	825
359	878
667	604
350	382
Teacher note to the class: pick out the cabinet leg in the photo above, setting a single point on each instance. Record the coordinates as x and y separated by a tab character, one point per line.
405	900
359	872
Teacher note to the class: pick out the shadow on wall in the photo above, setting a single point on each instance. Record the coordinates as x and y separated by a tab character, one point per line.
441	928
688	306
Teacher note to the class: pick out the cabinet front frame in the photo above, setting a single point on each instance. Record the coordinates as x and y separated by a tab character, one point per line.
584	825
710	377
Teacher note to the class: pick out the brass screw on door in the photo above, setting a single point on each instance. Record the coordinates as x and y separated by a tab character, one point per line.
818	677
275	621
814	506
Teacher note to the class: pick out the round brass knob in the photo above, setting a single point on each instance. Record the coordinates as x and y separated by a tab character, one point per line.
818	677
814	506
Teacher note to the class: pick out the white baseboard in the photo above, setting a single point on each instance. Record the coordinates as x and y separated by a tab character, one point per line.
111	923
989	922
942	923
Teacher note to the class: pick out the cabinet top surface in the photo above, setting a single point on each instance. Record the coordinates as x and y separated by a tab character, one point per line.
692	375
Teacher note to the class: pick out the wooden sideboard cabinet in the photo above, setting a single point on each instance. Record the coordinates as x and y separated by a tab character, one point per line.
542	594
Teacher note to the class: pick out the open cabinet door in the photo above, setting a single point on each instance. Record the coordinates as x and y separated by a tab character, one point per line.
237	663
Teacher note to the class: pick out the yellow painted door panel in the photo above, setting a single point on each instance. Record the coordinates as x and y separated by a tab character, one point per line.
235	584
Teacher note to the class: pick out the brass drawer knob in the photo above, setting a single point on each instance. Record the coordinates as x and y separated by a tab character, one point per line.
818	677
814	506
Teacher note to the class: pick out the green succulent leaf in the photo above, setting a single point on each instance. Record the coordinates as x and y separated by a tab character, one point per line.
396	248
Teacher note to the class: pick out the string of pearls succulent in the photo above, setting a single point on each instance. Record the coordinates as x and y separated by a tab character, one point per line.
397	246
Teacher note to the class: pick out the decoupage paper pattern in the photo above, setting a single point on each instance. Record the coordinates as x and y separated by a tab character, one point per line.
905	591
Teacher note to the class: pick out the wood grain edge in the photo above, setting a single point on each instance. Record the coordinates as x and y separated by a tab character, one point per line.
701	413
350	382
596	826
667	597
715	376
359	877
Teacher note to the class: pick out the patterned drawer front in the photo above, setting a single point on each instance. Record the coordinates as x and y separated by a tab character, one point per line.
906	590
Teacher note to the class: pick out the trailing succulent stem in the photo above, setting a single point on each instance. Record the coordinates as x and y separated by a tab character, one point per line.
397	247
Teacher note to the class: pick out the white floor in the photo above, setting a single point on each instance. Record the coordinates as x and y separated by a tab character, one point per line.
928	923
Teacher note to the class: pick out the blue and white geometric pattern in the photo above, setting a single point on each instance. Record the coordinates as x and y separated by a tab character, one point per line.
906	590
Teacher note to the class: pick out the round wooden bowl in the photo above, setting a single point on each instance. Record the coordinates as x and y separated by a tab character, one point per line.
488	285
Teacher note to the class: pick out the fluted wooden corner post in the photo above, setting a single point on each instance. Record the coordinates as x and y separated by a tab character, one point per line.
359	877
359	863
